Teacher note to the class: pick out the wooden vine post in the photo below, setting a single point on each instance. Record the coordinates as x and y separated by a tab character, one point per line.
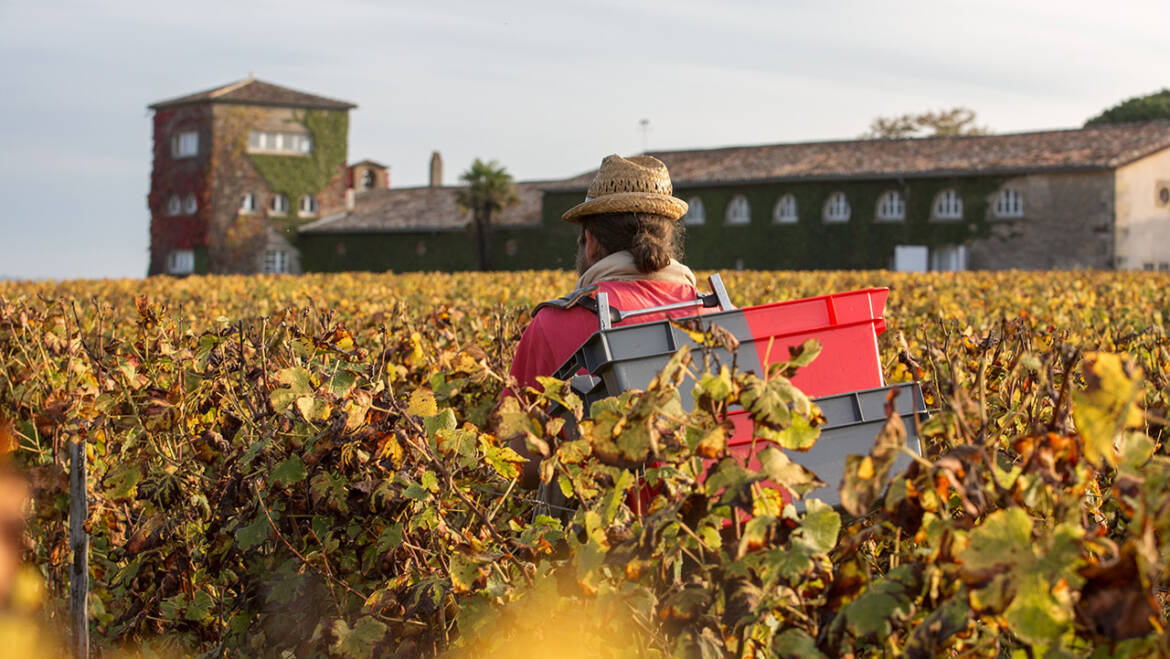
79	543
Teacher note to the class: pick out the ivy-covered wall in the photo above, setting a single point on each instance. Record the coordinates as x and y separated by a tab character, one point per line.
811	243
178	177
238	239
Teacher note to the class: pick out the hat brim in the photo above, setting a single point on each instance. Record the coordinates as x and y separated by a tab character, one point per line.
628	202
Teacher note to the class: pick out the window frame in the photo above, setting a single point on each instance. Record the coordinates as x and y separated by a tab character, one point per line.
174	206
1003	206
691	218
314	207
180	262
282	143
190	204
831	213
276	262
732	216
185	144
948	205
248	204
784	203
891	207
278	204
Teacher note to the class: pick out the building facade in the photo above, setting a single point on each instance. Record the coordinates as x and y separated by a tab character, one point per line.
237	170
1085	198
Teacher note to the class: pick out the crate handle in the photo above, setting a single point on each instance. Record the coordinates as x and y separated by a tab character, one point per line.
607	315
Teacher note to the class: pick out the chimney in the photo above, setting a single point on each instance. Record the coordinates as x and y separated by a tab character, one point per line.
350	194
436	169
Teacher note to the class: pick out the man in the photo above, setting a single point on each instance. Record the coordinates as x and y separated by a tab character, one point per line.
629	246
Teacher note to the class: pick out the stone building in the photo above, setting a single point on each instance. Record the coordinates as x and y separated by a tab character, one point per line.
1083	198
237	169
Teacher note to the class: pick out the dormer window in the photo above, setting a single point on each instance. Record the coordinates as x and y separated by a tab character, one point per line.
891	206
308	206
785	210
368	179
190	204
278	205
1010	203
739	211
260	141
696	213
948	205
174	206
185	144
837	208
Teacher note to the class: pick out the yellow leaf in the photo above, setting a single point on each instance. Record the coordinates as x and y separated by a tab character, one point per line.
422	403
1107	405
865	469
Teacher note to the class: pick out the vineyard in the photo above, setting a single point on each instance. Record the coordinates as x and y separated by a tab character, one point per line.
319	466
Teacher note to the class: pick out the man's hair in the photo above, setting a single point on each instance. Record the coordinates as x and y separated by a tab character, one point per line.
653	239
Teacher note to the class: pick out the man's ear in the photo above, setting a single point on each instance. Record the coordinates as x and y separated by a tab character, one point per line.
593	248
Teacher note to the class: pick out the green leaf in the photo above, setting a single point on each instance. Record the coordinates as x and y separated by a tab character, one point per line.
799	436
358	642
443	420
504	460
464	572
786	473
199	608
1005	536
122	481
253	534
288	472
297	383
795	643
342	382
1107	405
820	525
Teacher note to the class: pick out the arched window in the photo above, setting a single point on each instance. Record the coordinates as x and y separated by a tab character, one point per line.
1010	203
190	204
696	213
948	205
279	204
308	206
368	179
785	210
837	208
739	211
174	206
891	206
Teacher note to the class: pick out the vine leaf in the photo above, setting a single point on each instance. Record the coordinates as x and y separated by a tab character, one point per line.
359	641
1107	404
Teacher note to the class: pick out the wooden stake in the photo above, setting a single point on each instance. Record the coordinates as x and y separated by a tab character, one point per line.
79	543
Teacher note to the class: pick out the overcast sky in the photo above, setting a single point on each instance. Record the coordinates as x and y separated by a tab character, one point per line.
545	87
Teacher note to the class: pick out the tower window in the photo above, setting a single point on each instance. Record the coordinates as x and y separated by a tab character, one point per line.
248	203
180	262
275	262
190	204
260	141
185	144
308	206
174	206
279	204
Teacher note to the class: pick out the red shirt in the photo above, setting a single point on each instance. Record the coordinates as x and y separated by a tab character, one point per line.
555	334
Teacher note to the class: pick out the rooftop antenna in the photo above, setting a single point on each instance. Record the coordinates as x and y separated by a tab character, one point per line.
644	126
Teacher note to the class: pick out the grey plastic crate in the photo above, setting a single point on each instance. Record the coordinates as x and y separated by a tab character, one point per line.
852	423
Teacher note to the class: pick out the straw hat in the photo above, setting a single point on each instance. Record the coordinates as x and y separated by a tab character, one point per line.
623	185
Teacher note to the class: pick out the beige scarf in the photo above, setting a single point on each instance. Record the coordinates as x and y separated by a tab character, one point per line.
620	266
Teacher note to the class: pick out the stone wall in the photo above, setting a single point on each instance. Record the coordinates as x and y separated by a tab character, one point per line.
1067	224
1143	218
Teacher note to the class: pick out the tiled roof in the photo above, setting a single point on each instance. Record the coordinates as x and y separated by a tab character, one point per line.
1100	147
423	209
250	91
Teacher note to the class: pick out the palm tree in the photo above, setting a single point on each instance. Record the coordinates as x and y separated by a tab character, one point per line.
489	190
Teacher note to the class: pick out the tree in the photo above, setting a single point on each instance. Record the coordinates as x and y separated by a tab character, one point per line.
489	190
1139	108
956	121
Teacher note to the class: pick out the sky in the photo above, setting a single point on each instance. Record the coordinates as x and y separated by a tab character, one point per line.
546	88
